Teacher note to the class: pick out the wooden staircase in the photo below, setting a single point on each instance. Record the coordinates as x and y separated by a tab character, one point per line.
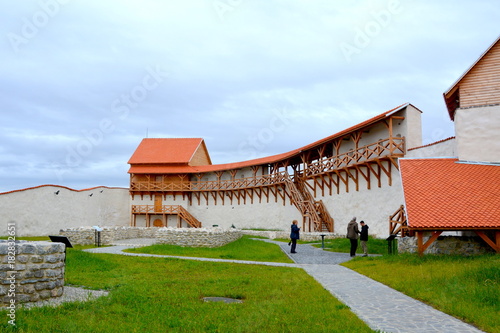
164	211
190	219
311	210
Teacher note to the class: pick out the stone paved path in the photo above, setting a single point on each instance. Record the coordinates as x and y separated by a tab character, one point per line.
381	307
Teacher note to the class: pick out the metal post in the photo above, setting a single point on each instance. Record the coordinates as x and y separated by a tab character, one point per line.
323	241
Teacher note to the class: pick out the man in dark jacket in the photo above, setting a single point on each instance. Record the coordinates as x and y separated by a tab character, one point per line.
294	235
352	234
363	237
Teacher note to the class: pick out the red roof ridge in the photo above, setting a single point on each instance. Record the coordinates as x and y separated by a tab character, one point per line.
60	186
433	143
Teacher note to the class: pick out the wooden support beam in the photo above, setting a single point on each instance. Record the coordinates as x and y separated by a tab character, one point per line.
345	181
205	195
420	240
495	244
353	177
386	171
366	175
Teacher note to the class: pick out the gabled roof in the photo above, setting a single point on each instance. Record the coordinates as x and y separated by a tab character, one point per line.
167	151
163	169
444	194
451	95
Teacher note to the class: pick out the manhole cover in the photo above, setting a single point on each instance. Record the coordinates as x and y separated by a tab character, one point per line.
222	299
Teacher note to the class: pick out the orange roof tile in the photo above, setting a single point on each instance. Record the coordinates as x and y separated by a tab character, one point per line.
444	194
167	150
259	161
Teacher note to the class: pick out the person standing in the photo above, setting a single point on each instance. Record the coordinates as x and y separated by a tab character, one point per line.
294	235
363	237
352	234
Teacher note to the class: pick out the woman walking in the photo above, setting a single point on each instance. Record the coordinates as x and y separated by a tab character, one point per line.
294	235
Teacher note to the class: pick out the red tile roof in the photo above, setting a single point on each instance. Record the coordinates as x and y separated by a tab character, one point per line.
168	151
155	166
444	194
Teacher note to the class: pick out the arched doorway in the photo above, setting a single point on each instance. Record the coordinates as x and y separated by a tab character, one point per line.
158	223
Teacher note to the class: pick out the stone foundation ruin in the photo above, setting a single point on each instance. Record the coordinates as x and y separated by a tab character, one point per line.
193	237
30	271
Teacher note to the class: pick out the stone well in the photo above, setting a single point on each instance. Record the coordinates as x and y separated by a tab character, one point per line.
30	271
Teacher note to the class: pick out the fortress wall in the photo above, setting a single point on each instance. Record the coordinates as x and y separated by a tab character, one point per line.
39	211
374	206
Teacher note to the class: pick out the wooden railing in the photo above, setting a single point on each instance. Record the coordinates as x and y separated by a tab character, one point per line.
398	223
190	219
210	185
308	206
371	152
387	147
325	216
305	206
167	209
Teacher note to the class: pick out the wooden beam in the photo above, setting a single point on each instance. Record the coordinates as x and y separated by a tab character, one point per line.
365	176
494	244
345	181
354	178
423	246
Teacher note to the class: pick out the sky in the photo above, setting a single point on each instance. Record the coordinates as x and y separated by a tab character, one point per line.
83	82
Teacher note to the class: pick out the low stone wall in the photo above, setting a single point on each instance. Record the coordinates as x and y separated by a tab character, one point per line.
305	236
197	237
461	245
194	237
30	271
87	235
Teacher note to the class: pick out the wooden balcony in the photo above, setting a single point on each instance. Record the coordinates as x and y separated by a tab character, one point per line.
384	149
164	211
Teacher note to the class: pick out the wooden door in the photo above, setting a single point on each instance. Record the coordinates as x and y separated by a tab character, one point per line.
158	204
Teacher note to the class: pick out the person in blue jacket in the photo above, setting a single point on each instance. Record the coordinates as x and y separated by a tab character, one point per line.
294	235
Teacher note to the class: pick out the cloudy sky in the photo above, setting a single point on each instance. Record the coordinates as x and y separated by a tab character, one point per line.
82	82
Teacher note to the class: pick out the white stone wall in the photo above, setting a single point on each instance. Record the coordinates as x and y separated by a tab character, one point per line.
305	236
39	211
478	137
446	148
374	206
272	215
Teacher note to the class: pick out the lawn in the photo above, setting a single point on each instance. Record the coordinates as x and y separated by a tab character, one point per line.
466	287
243	249
165	295
375	245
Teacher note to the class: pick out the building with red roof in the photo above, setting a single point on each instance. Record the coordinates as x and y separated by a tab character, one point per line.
461	193
320	184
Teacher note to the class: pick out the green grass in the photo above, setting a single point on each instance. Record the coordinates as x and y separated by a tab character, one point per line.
375	245
465	287
242	249
164	295
36	238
